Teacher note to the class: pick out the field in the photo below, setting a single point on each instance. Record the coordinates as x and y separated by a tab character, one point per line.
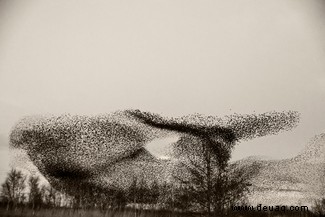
65	212
62	212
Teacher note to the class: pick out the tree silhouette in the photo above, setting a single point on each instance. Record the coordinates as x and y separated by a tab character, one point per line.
35	192
13	188
211	183
154	192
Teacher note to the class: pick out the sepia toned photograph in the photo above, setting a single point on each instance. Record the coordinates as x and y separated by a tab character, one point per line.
162	108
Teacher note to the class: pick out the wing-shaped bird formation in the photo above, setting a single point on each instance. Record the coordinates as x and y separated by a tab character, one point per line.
108	150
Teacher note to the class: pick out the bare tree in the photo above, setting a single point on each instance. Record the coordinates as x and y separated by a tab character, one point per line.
319	207
52	197
13	188
35	193
211	183
231	187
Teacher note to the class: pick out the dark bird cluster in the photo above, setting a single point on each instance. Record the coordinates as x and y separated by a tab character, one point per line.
108	151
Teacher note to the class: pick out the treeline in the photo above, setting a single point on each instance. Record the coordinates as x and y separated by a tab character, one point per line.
21	190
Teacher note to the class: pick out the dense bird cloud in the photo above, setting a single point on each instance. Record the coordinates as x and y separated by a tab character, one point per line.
108	150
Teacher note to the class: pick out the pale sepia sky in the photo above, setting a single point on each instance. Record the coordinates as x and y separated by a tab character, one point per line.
165	56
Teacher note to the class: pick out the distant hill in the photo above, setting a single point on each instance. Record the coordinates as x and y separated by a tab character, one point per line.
294	181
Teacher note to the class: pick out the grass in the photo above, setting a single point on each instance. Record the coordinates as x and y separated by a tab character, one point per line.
63	212
126	212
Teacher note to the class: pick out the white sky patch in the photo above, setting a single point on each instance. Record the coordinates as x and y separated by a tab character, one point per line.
161	148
